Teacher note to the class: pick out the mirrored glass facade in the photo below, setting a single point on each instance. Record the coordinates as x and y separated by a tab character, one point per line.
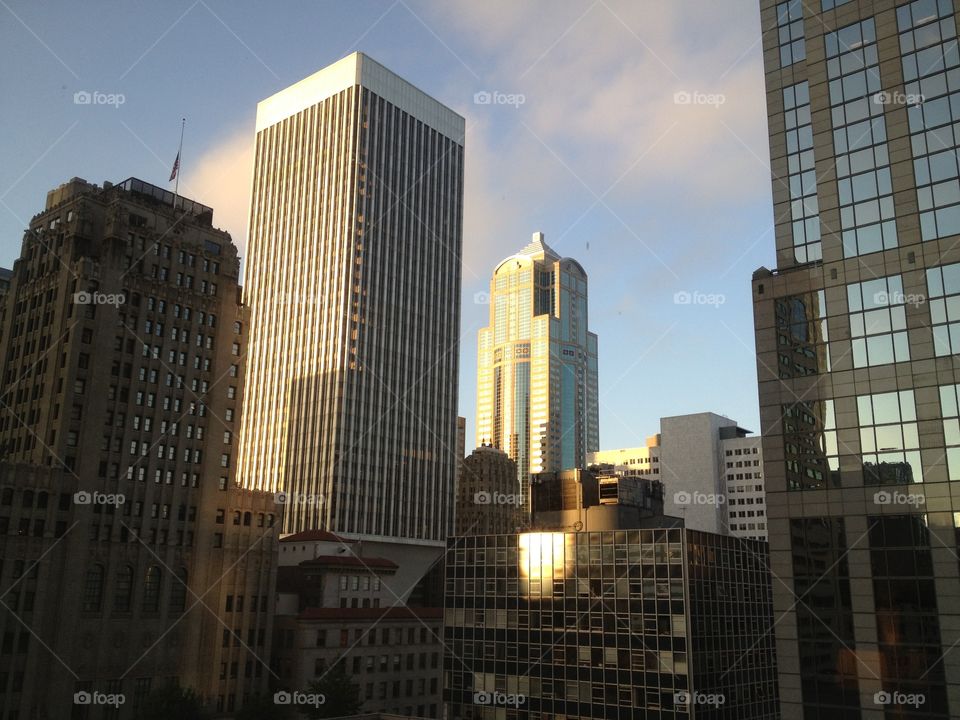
857	358
660	623
537	365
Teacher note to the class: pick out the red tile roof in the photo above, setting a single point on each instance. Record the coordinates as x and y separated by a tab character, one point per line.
315	536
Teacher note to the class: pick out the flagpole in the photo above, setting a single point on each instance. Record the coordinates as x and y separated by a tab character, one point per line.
176	187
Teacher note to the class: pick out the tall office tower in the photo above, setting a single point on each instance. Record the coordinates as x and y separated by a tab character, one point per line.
857	341
354	292
537	365
121	366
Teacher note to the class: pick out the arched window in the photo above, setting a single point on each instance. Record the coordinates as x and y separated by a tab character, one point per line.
178	592
246	518
6	497
124	589
151	589
93	588
28	498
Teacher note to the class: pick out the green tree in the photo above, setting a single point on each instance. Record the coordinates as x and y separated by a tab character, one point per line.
341	694
171	702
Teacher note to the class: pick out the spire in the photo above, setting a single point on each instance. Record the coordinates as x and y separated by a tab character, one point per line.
539	248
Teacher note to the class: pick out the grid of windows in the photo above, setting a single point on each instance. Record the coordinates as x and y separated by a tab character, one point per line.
859	139
790	29
594	624
943	292
810	445
889	440
931	72
825	629
908	626
802	341
950	412
878	321
802	178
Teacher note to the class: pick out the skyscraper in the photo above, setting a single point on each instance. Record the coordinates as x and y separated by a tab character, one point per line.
120	385
857	342
537	365
354	292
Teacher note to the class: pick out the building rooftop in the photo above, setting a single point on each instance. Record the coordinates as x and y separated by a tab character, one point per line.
314	536
148	190
359	69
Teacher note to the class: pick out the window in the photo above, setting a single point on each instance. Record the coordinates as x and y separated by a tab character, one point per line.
821	570
889	440
802	341
943	288
859	139
123	589
950	411
93	589
151	589
178	592
802	175
878	324
790	29
930	60
810	445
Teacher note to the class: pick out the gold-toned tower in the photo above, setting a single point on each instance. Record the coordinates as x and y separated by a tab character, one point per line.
537	364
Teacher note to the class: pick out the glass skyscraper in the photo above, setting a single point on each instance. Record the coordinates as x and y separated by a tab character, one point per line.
353	283
537	364
857	333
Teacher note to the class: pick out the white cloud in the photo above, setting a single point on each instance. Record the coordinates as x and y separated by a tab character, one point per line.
600	84
221	178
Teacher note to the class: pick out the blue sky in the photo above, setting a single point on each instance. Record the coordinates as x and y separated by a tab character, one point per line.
639	149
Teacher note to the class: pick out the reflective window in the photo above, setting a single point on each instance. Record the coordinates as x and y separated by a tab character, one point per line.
950	411
825	631
810	445
802	175
790	29
859	138
878	323
908	626
931	70
802	347
831	4
943	288
889	441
